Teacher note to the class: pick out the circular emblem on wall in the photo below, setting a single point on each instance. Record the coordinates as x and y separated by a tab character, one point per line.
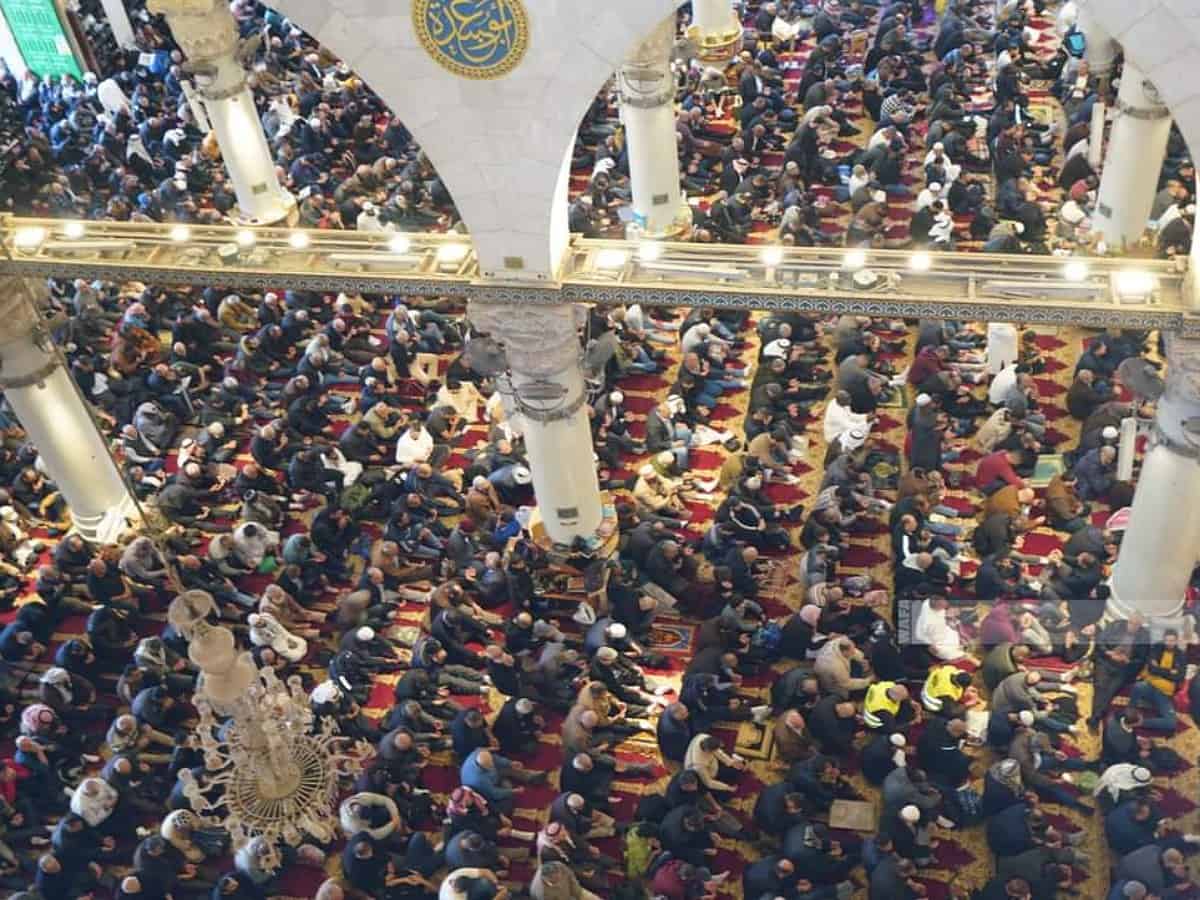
473	38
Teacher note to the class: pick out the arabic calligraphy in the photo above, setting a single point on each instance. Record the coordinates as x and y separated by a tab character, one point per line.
473	38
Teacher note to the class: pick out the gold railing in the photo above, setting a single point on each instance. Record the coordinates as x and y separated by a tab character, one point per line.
970	286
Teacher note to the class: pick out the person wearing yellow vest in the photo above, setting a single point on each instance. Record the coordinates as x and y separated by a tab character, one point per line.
887	706
947	691
1161	677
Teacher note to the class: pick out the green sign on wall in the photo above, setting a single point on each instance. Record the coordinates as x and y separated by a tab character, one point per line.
39	35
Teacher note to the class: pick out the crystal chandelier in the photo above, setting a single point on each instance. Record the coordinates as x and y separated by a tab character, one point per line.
269	772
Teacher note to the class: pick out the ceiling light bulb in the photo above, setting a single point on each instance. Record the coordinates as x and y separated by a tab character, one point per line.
29	238
649	251
920	261
74	229
180	233
772	256
611	259
854	259
400	243
452	253
1075	270
299	240
1134	283
246	238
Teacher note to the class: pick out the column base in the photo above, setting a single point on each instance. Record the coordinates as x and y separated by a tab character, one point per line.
1174	618
284	212
717	46
599	543
679	229
108	528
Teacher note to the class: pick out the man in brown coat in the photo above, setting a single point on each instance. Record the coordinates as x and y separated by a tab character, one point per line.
791	737
482	504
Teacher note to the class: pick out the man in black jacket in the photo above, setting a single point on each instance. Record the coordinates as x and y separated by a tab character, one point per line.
1121	651
832	725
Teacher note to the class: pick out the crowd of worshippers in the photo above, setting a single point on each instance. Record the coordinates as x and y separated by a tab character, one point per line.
236	418
134	145
364	493
958	148
1011	639
949	108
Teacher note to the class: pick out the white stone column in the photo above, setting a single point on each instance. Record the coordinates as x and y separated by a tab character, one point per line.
1102	50
208	35
1161	545
544	353
1096	128
57	421
647	93
715	30
118	21
1136	147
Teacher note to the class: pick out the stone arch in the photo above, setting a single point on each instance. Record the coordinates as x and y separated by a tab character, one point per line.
501	147
1162	38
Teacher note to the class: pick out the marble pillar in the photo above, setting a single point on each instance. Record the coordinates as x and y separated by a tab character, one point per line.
1161	544
1137	144
549	395
715	30
647	92
56	418
208	35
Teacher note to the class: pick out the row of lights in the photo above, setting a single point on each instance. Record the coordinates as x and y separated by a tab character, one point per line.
30	237
1128	282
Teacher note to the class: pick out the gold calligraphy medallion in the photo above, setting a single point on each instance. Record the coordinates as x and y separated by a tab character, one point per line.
480	39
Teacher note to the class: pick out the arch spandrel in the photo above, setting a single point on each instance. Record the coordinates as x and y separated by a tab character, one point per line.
499	144
1162	38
